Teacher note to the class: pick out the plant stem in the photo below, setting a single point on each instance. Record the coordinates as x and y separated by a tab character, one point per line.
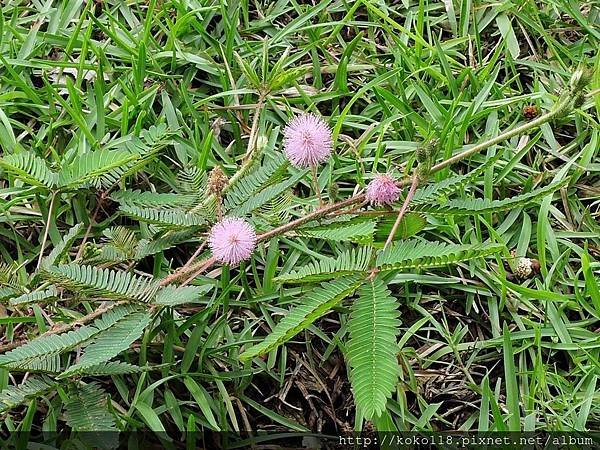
557	109
63	328
407	200
325	210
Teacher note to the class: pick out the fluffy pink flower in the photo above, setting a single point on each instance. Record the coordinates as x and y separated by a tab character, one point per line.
307	140
382	190
232	240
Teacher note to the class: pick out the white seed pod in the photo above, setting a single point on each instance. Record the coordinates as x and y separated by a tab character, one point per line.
524	268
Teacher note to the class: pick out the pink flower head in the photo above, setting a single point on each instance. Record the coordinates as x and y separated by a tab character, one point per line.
382	190
232	240
307	140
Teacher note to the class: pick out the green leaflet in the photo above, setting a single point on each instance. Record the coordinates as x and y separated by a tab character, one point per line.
36	296
30	168
147	247
266	195
41	353
482	206
86	410
176	218
315	304
102	282
173	296
417	254
115	368
8	292
191	182
59	251
99	168
350	261
372	348
354	231
410	225
255	180
110	342
33	387
434	191
122	244
146	199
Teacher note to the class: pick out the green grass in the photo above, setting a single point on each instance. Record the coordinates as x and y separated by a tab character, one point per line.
478	350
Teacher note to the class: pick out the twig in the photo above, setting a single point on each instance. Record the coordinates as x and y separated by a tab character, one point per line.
325	210
207	263
557	109
202	265
63	328
196	253
407	200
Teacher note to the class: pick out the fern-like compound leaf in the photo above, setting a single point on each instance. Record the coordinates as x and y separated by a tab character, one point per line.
110	342
372	348
99	168
173	296
191	182
416	254
87	411
153	199
471	206
114	368
263	197
348	262
255	180
315	304
102	282
48	364
63	247
36	296
122	246
41	353
354	231
173	218
147	247
32	388
434	191
30	168
7	292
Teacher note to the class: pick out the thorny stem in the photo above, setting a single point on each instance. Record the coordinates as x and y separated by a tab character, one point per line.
206	264
195	255
556	110
63	328
563	103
